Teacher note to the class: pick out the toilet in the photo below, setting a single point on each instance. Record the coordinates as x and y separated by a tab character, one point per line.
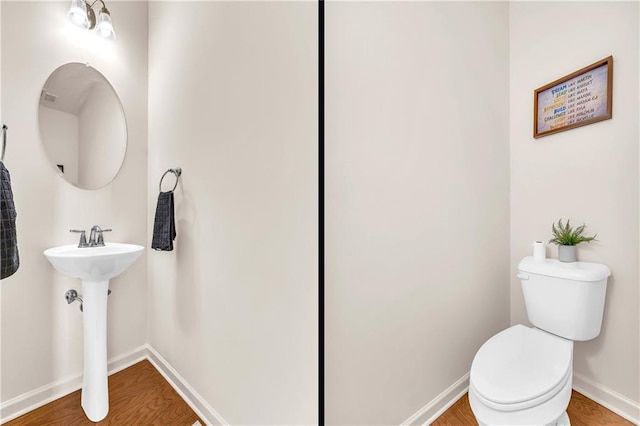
523	375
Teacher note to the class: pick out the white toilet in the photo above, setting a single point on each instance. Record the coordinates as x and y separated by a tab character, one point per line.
522	375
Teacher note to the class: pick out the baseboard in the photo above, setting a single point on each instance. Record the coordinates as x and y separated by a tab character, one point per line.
191	397
43	395
608	398
36	398
434	409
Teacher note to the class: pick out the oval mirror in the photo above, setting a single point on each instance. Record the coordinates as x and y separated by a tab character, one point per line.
82	126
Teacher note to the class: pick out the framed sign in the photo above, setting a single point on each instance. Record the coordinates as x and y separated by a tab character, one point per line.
575	100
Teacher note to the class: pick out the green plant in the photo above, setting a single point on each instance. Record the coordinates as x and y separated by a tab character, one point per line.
565	235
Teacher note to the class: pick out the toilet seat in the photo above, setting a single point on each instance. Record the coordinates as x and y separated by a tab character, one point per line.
521	367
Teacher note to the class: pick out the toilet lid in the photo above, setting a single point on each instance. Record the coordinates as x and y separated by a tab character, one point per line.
521	364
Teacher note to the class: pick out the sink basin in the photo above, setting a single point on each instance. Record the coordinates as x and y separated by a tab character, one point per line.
93	263
95	266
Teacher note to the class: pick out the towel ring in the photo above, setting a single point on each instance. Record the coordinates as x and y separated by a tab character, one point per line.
177	171
4	141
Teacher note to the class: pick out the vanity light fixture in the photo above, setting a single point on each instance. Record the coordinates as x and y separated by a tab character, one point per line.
82	15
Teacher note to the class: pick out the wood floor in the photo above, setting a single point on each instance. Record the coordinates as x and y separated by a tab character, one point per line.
582	412
138	395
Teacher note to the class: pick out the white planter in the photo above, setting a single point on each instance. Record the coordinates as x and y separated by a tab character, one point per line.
567	254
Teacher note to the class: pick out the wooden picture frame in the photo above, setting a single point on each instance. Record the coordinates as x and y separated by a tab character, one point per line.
580	98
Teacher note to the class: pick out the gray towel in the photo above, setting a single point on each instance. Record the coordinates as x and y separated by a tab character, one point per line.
9	259
164	227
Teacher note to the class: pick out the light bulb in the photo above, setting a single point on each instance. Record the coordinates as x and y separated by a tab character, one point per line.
104	27
78	13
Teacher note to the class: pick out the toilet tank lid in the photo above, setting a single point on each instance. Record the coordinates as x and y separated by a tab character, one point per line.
576	271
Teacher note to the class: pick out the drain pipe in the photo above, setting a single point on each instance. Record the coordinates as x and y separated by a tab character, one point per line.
72	295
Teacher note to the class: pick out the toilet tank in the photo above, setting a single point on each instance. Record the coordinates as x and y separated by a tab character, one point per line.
565	299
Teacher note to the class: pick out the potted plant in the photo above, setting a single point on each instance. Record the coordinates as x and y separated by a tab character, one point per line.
566	237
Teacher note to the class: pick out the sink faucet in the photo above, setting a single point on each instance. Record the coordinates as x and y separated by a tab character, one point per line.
96	231
83	237
96	239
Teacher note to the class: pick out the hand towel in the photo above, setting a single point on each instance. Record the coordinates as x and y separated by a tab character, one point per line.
164	227
9	259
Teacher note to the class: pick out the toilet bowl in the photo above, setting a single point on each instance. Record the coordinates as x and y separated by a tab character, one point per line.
523	375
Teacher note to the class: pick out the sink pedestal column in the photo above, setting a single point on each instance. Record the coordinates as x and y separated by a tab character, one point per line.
95	393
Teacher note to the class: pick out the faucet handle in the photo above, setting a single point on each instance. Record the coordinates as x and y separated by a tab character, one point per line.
100	241
83	237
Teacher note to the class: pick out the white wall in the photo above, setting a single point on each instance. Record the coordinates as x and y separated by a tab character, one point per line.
233	101
62	140
41	334
417	200
589	174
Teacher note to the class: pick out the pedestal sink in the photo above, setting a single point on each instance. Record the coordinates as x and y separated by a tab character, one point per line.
95	266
